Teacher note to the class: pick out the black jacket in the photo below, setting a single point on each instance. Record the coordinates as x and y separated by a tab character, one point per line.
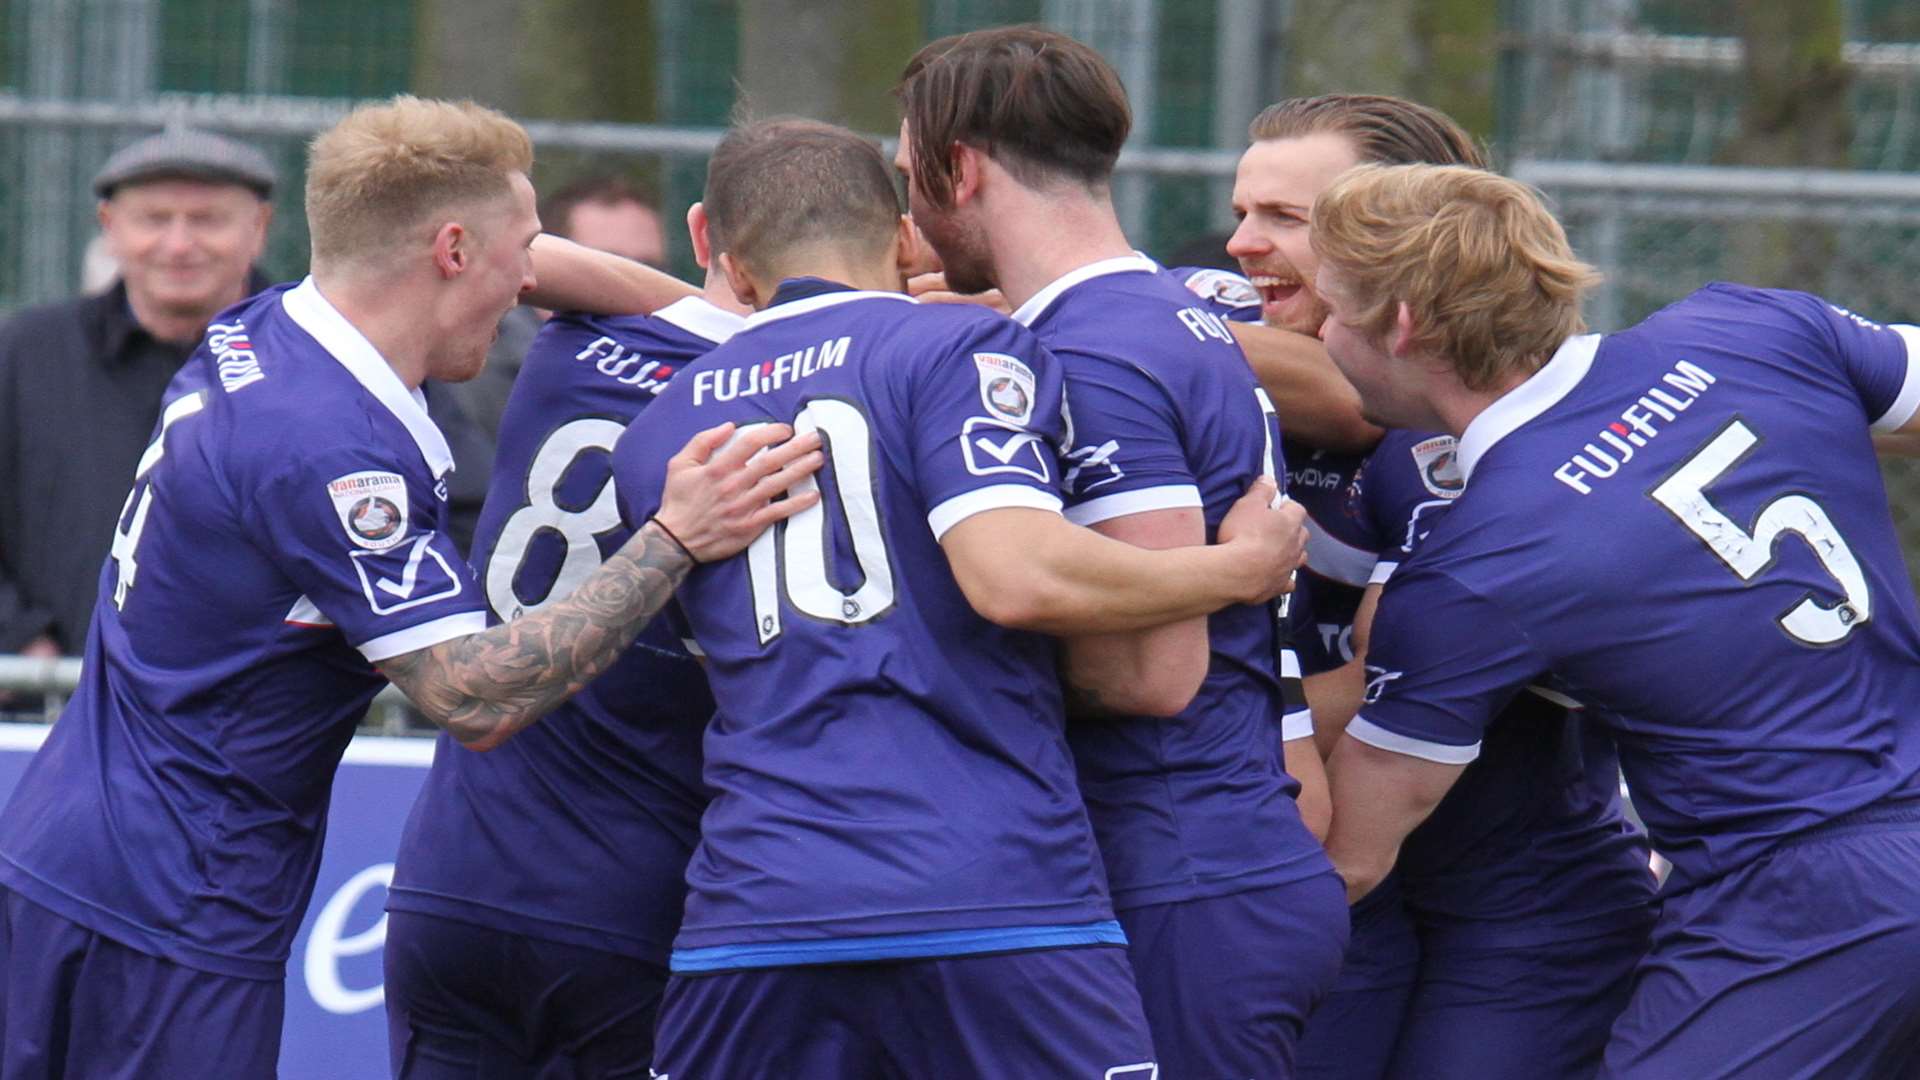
80	391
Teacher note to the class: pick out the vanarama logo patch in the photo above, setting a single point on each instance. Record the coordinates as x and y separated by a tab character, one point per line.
1438	460
1006	386
372	507
1223	287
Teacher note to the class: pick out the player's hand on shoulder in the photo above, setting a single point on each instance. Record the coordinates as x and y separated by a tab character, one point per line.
1271	538
932	289
723	487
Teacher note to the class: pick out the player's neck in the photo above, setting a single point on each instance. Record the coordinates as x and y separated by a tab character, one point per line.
390	322
1036	240
1459	406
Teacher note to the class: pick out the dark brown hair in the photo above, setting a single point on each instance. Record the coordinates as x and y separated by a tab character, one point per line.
1384	130
780	185
1044	106
598	189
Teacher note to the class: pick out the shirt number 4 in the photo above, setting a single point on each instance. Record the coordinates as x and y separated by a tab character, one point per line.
1748	554
133	515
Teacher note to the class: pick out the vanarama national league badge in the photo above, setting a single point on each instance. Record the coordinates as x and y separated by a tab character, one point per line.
372	508
1006	386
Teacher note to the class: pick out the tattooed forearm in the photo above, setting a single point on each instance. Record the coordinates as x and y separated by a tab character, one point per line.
484	687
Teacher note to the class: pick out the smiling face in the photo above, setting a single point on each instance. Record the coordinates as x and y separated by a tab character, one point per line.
1273	194
184	246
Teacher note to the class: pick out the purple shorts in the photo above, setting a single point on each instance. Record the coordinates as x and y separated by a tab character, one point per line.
79	1006
467	1002
1228	982
1051	1012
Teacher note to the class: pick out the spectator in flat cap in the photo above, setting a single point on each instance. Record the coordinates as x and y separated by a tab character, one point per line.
184	214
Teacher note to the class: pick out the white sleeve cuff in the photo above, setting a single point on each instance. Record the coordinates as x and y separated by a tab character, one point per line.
1289	664
998	497
445	628
1382	570
1335	559
1444	753
1296	725
1908	400
1108	507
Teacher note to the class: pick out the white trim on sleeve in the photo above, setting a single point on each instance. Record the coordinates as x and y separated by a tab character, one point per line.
1382	570
1444	753
445	628
1908	401
979	500
1108	507
1335	559
1297	724
390	750
1290	664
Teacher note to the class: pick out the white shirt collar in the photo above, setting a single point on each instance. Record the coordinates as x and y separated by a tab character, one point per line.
815	303
346	344
1541	391
702	318
1119	264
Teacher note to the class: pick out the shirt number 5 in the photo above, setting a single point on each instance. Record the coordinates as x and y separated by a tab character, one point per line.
1750	553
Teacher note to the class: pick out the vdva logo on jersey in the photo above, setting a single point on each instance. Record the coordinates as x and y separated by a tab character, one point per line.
1639	422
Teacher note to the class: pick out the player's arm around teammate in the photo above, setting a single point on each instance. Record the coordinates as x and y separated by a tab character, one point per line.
484	687
1034	570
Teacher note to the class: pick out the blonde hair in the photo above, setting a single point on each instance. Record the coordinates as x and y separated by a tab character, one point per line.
1479	261
391	169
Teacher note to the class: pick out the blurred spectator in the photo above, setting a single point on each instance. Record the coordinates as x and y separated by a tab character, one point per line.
608	213
184	214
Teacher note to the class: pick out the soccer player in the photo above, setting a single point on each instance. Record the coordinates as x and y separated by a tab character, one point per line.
282	540
1683	522
1500	977
896	876
1008	141
1528	889
540	935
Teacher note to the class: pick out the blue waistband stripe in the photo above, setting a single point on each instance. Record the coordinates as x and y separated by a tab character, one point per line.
931	944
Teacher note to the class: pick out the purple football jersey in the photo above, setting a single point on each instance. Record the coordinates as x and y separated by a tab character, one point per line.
1341	550
890	774
1685	523
280	539
578	829
1532	833
1165	413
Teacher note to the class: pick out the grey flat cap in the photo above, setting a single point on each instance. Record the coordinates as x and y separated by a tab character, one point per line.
188	154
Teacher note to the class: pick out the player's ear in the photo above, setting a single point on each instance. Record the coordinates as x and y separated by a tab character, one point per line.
908	246
969	169
697	232
450	244
740	281
1404	337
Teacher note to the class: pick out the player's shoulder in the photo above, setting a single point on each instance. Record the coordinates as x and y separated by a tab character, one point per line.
1415	461
1722	308
294	388
1224	292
